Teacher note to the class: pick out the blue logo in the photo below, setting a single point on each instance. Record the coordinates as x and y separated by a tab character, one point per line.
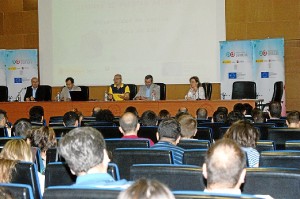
231	75
18	80
264	75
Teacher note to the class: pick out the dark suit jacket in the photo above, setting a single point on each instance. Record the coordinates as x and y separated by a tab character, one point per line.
39	95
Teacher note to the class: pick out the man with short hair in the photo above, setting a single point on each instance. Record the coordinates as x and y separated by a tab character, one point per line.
169	136
21	127
129	127
188	126
36	114
71	119
224	167
4	123
84	150
293	119
149	90
149	118
201	114
275	110
34	92
65	92
118	91
95	110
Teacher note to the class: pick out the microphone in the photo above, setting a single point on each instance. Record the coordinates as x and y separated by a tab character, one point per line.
18	98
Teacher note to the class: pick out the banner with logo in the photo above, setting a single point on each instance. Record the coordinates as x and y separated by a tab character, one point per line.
269	66
2	68
236	59
21	66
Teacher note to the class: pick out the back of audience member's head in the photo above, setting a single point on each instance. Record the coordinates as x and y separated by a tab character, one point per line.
129	123
188	126
293	119
239	107
3	118
201	113
83	149
224	166
17	149
133	110
149	118
146	189
182	110
105	115
36	114
244	133
219	116
223	109
275	110
248	108
233	117
6	168
258	116
43	138
169	129
71	119
164	114
95	110
21	127
80	115
179	114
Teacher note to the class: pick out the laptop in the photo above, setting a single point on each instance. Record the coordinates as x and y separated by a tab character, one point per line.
77	96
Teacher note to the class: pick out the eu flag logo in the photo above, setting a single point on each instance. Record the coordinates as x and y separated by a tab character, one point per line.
264	74
231	75
18	80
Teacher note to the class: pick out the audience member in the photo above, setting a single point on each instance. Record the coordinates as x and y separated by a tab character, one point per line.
129	127
248	108
34	92
149	90
80	115
4	123
201	114
105	115
234	116
168	137
164	114
183	110
118	91
95	110
65	92
149	118
36	114
188	126
84	150
224	167
239	107
246	135
21	127
6	168
223	109
147	189
275	110
196	91
133	110
219	116
70	119
293	119
258	116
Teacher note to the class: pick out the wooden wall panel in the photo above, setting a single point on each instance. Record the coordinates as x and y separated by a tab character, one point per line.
11	5
30	5
13	23
30	22
31	41
11	41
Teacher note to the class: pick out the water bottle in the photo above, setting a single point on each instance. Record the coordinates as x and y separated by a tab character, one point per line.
18	98
153	96
105	96
58	97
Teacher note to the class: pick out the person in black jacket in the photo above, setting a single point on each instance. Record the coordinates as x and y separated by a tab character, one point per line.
34	92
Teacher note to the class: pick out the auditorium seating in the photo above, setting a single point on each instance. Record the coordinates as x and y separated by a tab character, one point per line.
60	131
126	157
53	156
47	90
194	157
265	145
215	128
278	122
163	90
148	132
3	94
17	190
109	131
112	144
3	140
194	144
176	177
3	132
133	91
281	158
204	133
281	135
277	94
292	145
243	90
263	129
208	195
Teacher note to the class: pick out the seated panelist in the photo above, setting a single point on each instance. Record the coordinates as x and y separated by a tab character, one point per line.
149	90
34	92
118	91
65	92
196	91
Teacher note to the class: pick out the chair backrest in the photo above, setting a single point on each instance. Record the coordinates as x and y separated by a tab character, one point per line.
133	90
47	91
278	91
243	90
85	91
194	157
281	135
280	158
207	90
276	182
60	131
265	145
278	122
148	132
292	145
3	140
53	156
26	173
98	123
3	133
194	144
204	133
215	126
176	177
109	131
22	191
3	94
209	195
56	119
126	157
59	173
163	90
263	129
112	144
77	192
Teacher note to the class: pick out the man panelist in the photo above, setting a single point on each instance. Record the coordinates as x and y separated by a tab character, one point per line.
34	92
149	91
65	92
118	91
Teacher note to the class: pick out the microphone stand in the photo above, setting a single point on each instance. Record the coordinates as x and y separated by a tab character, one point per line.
18	98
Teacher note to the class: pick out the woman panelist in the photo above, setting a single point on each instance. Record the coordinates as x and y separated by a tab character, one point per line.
196	91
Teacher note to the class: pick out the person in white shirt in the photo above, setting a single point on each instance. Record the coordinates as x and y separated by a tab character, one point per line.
196	91
65	92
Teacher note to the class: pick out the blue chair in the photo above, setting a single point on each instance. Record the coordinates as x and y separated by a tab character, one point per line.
207	195
194	157
280	158
194	144
204	133
292	145
265	145
17	190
